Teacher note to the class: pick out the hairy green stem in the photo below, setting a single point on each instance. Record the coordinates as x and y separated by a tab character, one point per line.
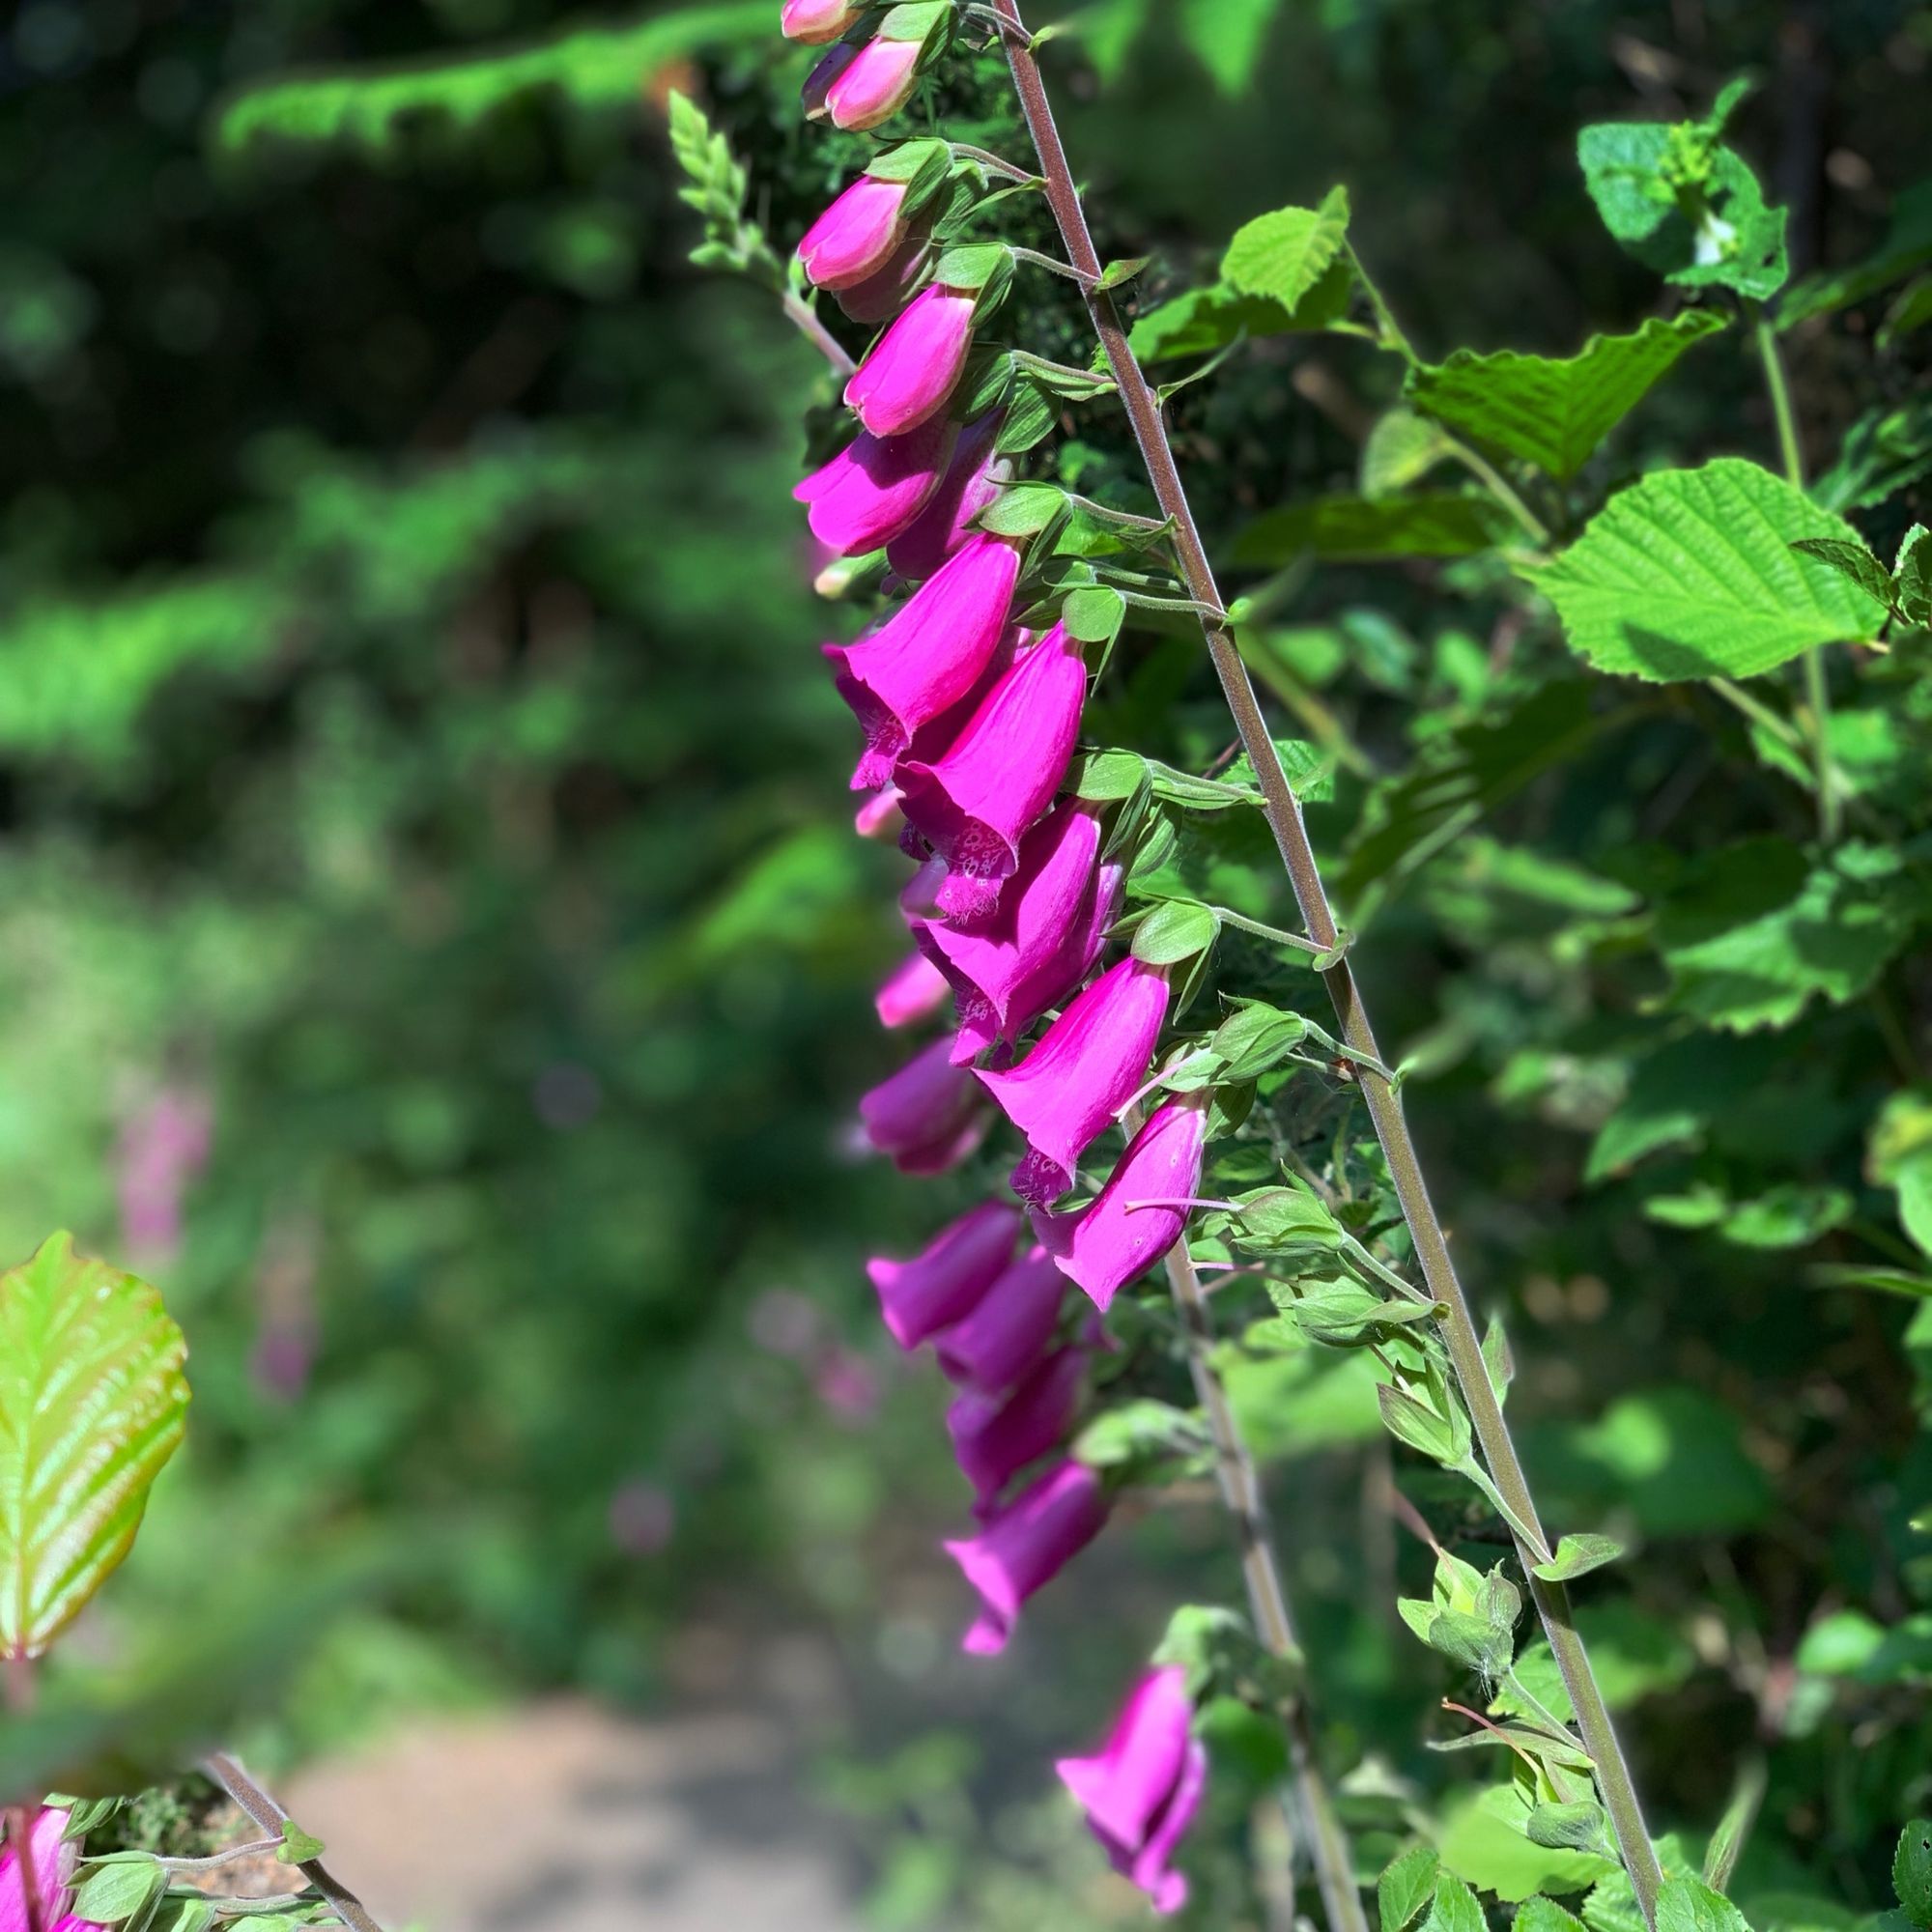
227	1772
1385	1103
1817	689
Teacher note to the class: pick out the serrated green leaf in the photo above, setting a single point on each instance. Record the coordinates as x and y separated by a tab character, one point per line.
1544	1914
1690	574
1555	413
1407	1885
1912	1872
92	1401
1912	577
1456	1907
1205	320
1283	254
1689	1905
1578	1556
1362	530
1851	560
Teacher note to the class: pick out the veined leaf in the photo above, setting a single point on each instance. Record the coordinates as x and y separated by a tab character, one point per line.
1554	414
1690	574
1205	319
1357	529
92	1397
1283	254
1228	34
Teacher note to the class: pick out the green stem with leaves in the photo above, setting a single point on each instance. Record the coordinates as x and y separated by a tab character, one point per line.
1385	1104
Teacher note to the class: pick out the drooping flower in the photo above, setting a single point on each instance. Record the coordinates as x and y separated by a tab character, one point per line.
1087	1068
891	285
913	991
976	801
876	85
1045	938
912	368
816	21
876	486
925	1116
161	1151
1005	1335
928	655
974	476
1140	1790
1025	1546
818	82
1117	1237
857	235
943	1283
52	1864
995	1436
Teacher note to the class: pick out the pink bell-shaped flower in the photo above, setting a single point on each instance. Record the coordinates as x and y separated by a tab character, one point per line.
910	371
876	486
995	1436
974	476
975	801
925	1116
52	1864
943	1283
874	86
913	991
816	21
1140	1790
1025	1546
1002	1337
1088	1066
891	285
927	655
1135	1219
856	235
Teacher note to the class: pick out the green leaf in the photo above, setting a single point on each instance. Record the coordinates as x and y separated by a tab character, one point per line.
1554	414
1176	929
1689	1905
1118	274
1483	1841
1205	320
1690	574
1751	935
1023	510
1912	1872
1914	577
1358	529
1577	1556
1456	1907
1283	254
1228	34
1405	1885
1285	1220
1256	1037
1887	450
1401	449
1410	1422
299	1847
1105	775
1094	615
92	1401
1544	1914
1907	245
1851	561
1580	1826
117	1890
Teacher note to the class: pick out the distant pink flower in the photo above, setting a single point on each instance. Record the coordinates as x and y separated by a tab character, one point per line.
927	655
876	486
879	817
1002	1337
1141	1791
815	21
848	1385
1117	1237
856	235
1088	1066
943	1283
1025	1546
915	990
642	1518
915	366
927	1115
873	88
975	801
974	476
996	1435
161	1151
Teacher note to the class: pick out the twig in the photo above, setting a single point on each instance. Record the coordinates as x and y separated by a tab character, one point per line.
1385	1104
18	1682
227	1772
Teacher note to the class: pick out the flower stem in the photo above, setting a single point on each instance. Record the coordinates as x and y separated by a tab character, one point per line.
227	1772
1385	1104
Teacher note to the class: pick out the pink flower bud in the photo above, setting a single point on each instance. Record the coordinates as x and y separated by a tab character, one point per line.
876	486
925	1115
818	82
915	366
1115	1238
1141	1791
816	21
928	655
974	476
913	991
876	85
974	803
890	287
943	1283
996	1436
879	817
1090	1061
856	235
1025	1546
1002	1337
1043	940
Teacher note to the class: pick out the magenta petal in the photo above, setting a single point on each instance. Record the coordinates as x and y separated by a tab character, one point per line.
876	85
977	800
996	1436
1109	1243
879	817
913	991
914	366
1124	1788
816	21
1007	1332
924	1115
972	478
1089	1063
887	290
53	1865
856	235
928	654
1025	1546
876	486
1150	1869
831	64
942	1285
